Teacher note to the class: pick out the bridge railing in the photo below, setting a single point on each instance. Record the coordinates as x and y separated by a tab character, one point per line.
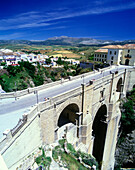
29	90
38	88
20	124
11	133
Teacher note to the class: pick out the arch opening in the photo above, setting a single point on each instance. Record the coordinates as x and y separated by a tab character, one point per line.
134	86
68	115
99	132
118	88
127	62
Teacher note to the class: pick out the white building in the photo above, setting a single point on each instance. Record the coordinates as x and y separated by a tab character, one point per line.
128	54
101	55
116	54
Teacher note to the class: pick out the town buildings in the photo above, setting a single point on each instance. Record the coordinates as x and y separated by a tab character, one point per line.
116	54
8	57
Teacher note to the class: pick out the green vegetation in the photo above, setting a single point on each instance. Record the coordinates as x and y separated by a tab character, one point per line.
20	77
13	78
2	63
125	149
71	158
43	161
127	116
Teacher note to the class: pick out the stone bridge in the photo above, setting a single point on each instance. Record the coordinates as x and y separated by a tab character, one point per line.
90	114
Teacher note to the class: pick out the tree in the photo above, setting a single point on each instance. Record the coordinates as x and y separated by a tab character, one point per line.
3	63
48	61
59	61
13	70
66	66
28	67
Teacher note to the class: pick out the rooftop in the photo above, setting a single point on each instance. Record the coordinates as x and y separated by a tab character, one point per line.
129	46
101	51
113	47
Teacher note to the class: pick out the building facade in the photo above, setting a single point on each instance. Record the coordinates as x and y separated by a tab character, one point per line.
116	54
101	55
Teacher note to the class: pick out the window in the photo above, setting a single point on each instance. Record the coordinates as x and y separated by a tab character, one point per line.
112	58
114	52
128	51
110	52
103	56
111	62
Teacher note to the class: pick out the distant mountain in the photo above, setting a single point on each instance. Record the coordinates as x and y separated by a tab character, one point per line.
64	40
78	41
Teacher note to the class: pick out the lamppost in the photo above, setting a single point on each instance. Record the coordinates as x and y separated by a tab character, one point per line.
36	92
93	67
15	91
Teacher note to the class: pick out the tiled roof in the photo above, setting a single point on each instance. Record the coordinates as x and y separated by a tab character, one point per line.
101	51
113	47
129	46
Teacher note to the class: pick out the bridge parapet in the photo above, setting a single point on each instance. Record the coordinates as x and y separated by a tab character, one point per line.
31	90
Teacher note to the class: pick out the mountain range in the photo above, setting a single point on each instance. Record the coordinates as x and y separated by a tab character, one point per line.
64	40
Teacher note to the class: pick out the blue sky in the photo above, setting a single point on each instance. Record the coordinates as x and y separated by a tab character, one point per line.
42	19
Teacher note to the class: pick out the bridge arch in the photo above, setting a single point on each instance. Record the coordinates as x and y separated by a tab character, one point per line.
68	115
118	87
99	128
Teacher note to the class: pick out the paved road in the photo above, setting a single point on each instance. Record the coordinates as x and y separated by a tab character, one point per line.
31	99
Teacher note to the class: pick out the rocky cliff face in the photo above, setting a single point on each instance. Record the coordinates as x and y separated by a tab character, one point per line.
125	152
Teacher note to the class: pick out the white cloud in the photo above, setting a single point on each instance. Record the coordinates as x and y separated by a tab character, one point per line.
55	28
34	19
11	36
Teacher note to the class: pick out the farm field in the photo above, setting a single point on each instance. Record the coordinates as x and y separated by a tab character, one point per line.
71	55
63	52
72	52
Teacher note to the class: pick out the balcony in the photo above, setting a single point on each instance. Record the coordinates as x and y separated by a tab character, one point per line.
128	56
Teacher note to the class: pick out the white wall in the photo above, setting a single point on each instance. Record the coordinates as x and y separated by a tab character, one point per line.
132	54
116	57
23	144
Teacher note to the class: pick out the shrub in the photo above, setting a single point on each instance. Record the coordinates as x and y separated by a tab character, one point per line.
54	154
61	142
127	118
42	160
71	148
